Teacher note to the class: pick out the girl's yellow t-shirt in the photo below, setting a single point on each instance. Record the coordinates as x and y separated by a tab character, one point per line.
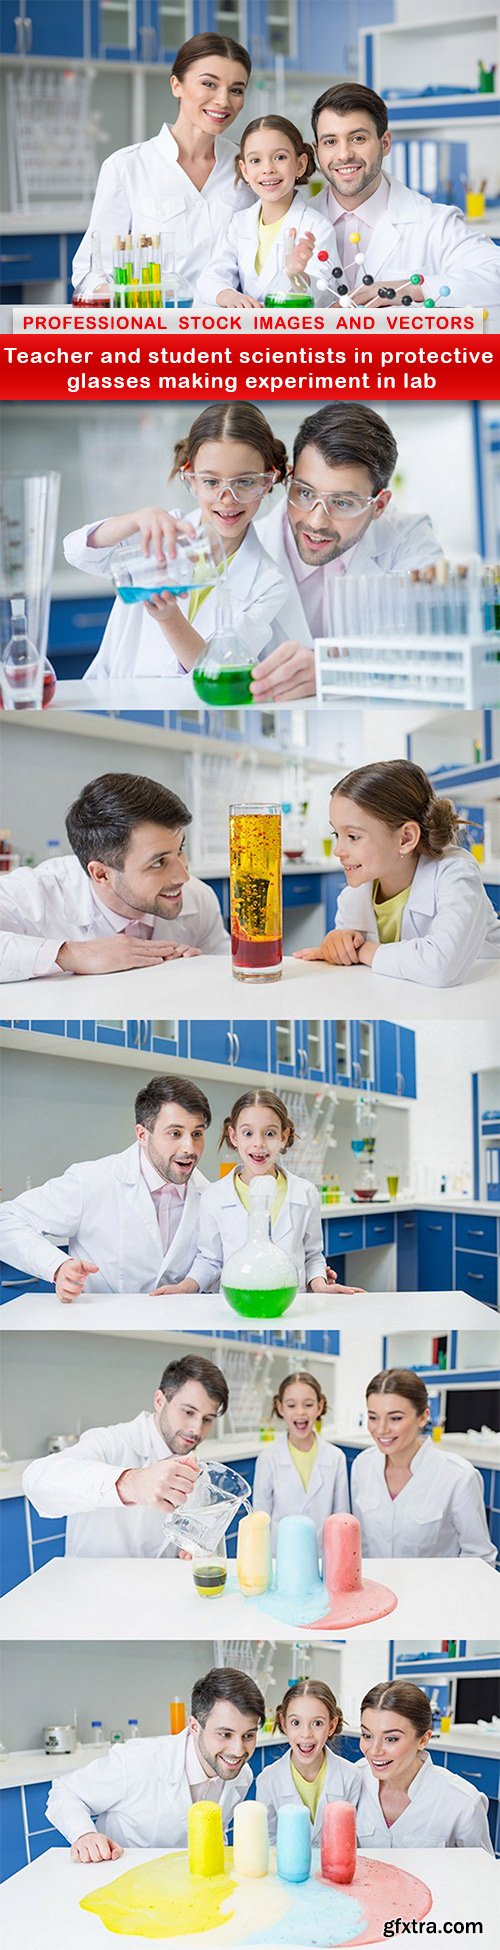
389	914
310	1791
304	1460
268	232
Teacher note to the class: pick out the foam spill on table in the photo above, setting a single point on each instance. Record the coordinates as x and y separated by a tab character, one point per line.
160	1900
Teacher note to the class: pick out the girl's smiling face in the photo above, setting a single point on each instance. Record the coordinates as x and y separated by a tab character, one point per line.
300	1410
308	1726
270	165
368	849
392	1746
258	1138
395	1426
230	509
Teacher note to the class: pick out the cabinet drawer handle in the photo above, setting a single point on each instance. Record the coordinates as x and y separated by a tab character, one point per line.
473	1276
408	1225
435	1228
476	1232
379	1228
345	1232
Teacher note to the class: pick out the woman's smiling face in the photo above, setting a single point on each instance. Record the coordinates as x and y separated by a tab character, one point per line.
395	1425
211	94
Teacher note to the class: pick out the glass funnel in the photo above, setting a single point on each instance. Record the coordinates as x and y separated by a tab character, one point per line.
224	668
28	522
197	563
260	1280
199	1524
256	892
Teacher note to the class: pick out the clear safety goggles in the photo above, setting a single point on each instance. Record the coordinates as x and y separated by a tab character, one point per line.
242	487
345	506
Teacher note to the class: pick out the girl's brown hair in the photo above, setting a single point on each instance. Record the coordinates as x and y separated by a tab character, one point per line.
395	790
279	122
201	46
266	1097
310	1689
309	1381
233	420
400	1381
400	1696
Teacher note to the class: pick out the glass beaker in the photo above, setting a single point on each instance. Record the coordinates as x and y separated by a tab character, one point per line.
96	287
28	522
197	563
199	1525
256	892
260	1280
392	1180
366	1184
210	1572
288	290
222	674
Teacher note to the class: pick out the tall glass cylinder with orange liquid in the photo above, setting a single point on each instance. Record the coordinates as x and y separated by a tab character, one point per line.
256	892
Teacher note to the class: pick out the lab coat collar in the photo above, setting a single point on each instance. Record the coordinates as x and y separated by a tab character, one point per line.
296	1190
248	220
373	1785
169	150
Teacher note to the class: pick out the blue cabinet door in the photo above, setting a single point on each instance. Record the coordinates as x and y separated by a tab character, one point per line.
210	1041
363	1065
435	1251
56	28
386	1044
407	1069
284	1040
340	1052
332	884
249	1050
12	1841
312	1050
406	1252
14	1557
476	1273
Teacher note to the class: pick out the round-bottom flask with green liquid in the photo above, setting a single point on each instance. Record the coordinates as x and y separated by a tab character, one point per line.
222	675
290	301
259	1280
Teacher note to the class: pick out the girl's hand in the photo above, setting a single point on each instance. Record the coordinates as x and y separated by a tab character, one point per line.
164	609
179	1286
367	952
321	1286
237	301
342	948
351	1289
158	531
298	256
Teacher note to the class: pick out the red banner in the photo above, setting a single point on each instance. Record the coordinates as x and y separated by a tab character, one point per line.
173	369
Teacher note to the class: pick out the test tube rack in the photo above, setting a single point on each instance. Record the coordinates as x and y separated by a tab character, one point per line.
454	672
52	153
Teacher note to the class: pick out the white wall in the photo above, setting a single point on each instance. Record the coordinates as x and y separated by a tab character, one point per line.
441	1117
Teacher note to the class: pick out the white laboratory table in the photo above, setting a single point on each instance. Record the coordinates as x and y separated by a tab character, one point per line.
41	1904
144	1317
125	1599
205	987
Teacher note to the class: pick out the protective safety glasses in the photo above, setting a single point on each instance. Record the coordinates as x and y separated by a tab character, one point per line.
345	506
242	487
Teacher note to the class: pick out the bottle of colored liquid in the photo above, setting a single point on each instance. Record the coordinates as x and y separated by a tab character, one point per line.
177	1712
256	892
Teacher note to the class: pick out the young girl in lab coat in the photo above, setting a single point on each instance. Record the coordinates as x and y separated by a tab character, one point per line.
300	1473
280	229
411	1497
259	1129
404	1800
311	1773
414	906
229	461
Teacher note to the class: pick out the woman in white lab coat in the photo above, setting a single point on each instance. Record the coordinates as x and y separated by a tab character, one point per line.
405	1801
411	1497
229	461
414	907
311	1774
272	246
300	1474
260	1129
179	186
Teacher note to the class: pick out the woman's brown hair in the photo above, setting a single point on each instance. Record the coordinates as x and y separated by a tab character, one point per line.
400	1381
270	1102
310	1689
400	1696
395	790
233	420
201	46
309	1381
279	122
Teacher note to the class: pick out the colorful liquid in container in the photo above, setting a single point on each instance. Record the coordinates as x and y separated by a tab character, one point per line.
260	1304
230	688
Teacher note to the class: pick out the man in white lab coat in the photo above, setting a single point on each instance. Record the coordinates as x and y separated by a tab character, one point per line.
124	898
335	519
393	246
127	1220
117	1484
139	1795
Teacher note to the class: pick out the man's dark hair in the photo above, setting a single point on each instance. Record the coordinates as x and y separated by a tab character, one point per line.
101	821
345	433
346	99
193	1367
170	1090
226	1683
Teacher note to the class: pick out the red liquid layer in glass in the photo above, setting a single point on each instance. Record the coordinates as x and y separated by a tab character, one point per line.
256	954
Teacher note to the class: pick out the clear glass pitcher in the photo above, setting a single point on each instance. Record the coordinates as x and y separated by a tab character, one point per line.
260	1280
28	524
199	1524
198	562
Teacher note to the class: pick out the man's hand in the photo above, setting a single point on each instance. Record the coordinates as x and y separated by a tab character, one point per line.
95	1848
71	1277
287	673
369	294
237	300
163	1486
341	947
115	952
177	1286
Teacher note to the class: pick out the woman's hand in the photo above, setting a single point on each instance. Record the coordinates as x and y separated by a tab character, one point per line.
342	948
179	1286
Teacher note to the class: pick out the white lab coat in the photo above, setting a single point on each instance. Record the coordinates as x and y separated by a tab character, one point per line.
142	190
233	263
416	235
133	645
105	1214
276	1789
40	907
445	1811
223	1226
448	923
439	1513
138	1794
389	546
278	1487
80	1483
